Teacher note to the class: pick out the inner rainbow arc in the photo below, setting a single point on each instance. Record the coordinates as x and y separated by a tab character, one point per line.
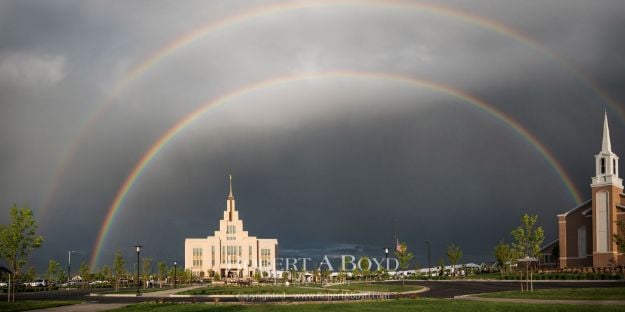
180	125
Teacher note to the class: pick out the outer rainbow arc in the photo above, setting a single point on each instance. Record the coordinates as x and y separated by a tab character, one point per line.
201	31
193	116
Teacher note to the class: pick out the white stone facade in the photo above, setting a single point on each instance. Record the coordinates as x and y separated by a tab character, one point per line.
230	252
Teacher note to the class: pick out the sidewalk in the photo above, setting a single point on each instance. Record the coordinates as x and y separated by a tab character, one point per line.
166	293
541	301
153	294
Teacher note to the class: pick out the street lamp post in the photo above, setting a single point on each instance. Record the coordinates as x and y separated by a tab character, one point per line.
69	265
429	264
386	257
175	264
138	247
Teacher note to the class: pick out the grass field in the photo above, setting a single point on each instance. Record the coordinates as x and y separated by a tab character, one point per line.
32	304
611	293
256	290
383	287
373	306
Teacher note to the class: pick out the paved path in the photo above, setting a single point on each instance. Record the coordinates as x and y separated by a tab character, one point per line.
95	306
166	293
150	294
84	307
541	301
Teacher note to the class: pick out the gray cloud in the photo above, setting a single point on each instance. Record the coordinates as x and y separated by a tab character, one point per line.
31	71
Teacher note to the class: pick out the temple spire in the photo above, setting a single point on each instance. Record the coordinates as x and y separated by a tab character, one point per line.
606	162
230	195
606	146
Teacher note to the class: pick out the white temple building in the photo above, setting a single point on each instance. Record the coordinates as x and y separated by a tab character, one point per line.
230	252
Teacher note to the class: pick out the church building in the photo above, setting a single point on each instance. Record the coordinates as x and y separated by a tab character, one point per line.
586	232
230	252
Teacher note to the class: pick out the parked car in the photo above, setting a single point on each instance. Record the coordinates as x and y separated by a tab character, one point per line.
95	283
4	284
38	283
71	284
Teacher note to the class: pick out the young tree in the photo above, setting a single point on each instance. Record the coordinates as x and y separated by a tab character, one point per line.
17	240
528	239
181	275
162	272
325	275
356	273
53	271
503	254
30	274
403	257
365	269
62	275
119	266
105	272
146	269
187	276
454	253
83	271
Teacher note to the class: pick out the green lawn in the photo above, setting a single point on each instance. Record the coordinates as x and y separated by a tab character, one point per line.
26	305
255	290
384	287
547	276
611	293
373	306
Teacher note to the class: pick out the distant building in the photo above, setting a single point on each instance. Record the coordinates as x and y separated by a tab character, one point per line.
586	232
549	254
230	252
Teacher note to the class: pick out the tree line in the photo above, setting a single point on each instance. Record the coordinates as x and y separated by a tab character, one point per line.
19	238
527	239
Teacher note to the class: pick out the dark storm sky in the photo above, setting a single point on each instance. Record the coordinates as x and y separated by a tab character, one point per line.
326	165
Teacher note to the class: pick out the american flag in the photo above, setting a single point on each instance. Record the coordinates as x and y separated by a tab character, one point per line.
398	247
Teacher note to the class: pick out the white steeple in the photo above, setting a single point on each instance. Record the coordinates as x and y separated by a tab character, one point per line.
606	146
606	162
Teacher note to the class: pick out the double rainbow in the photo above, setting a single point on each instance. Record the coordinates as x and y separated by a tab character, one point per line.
263	11
179	126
